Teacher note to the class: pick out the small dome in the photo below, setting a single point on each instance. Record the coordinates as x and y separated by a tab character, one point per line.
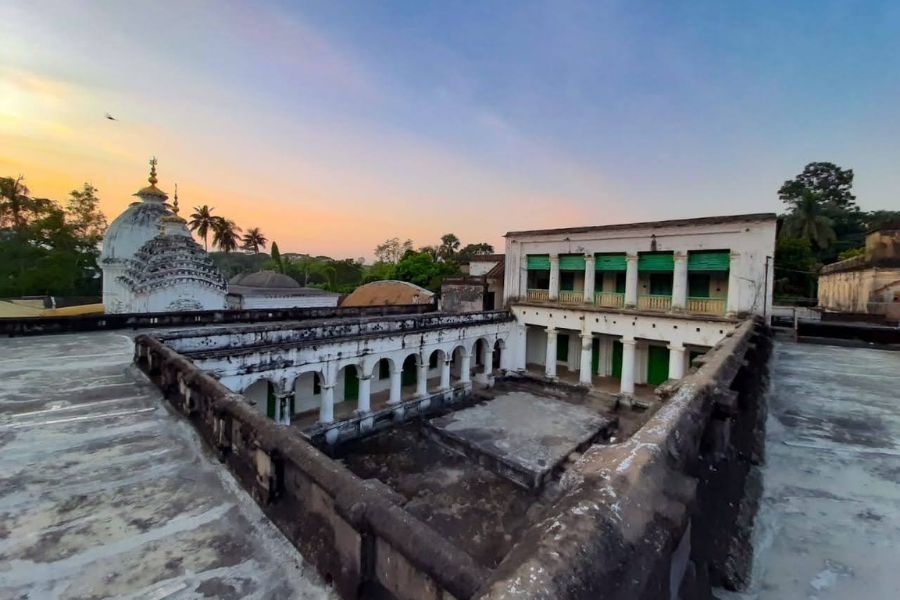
139	224
264	279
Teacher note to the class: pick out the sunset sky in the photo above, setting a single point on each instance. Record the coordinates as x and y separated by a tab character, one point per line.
335	125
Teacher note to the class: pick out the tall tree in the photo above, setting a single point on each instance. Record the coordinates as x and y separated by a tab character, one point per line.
807	222
449	246
14	202
83	214
203	221
392	250
832	188
226	234
254	240
470	250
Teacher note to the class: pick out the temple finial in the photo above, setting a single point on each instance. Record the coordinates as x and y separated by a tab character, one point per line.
175	201
152	179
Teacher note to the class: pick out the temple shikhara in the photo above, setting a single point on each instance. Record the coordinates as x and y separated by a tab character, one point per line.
151	263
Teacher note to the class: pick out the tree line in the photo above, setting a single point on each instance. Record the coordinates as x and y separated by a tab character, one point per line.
49	248
822	224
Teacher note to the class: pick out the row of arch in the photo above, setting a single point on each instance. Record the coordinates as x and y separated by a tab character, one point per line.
335	390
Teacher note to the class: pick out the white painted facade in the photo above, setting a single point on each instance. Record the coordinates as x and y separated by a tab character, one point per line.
616	332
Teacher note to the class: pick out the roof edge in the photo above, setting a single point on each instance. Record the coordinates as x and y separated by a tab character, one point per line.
745	218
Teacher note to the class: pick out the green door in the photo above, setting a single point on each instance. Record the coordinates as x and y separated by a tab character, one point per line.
351	384
698	285
617	359
567	281
562	347
660	284
620	283
270	400
657	364
595	356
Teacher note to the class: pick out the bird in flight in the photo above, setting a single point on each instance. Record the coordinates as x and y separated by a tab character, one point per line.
110	117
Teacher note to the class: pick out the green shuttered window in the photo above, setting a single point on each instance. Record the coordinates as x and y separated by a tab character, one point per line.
571	262
538	262
656	261
709	261
610	262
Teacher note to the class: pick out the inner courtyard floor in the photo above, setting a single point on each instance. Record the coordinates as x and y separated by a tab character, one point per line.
104	493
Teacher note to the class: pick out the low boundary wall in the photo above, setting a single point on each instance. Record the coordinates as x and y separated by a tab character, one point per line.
44	325
667	513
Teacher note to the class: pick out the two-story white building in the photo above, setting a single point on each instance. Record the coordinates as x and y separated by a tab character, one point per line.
615	306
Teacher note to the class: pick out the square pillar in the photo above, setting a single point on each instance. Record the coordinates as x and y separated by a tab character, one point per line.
422	377
554	277
732	305
627	383
445	375
364	397
326	411
676	361
396	383
584	371
465	375
283	409
680	282
590	276
631	280
550	359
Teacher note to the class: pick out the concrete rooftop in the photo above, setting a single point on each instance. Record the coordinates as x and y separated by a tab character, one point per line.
829	523
104	493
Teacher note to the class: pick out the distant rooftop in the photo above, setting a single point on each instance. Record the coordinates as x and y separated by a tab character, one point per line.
753	217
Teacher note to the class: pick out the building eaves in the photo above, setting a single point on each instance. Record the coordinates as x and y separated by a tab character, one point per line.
753	217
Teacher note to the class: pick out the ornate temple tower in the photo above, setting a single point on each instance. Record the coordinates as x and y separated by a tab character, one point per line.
151	263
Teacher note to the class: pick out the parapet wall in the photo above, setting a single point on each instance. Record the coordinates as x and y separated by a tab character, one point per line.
667	513
355	532
43	325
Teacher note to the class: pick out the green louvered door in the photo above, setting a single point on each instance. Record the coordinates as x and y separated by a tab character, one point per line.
657	364
617	359
270	400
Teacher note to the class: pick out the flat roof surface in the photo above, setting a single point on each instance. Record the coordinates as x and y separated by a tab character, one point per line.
829	522
530	430
105	493
654	224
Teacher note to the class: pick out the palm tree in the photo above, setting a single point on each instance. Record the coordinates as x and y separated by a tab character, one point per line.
449	246
254	240
13	200
807	222
203	221
225	234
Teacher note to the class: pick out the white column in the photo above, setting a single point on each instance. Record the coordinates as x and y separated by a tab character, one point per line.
584	372
550	360
363	400
676	361
517	347
680	282
487	359
554	276
326	412
734	284
445	375
631	280
628	345
396	383
590	275
422	377
464	370
284	408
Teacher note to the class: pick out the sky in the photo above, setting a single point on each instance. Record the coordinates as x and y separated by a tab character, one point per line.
333	126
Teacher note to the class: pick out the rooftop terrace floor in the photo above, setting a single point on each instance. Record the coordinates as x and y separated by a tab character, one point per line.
829	523
104	493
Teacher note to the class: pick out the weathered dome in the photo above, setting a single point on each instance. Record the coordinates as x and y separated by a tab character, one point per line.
264	279
138	224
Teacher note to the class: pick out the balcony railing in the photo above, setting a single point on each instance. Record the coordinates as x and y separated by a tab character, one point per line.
706	306
571	296
654	302
536	295
609	299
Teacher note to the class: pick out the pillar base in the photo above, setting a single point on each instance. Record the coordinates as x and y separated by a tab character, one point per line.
625	399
